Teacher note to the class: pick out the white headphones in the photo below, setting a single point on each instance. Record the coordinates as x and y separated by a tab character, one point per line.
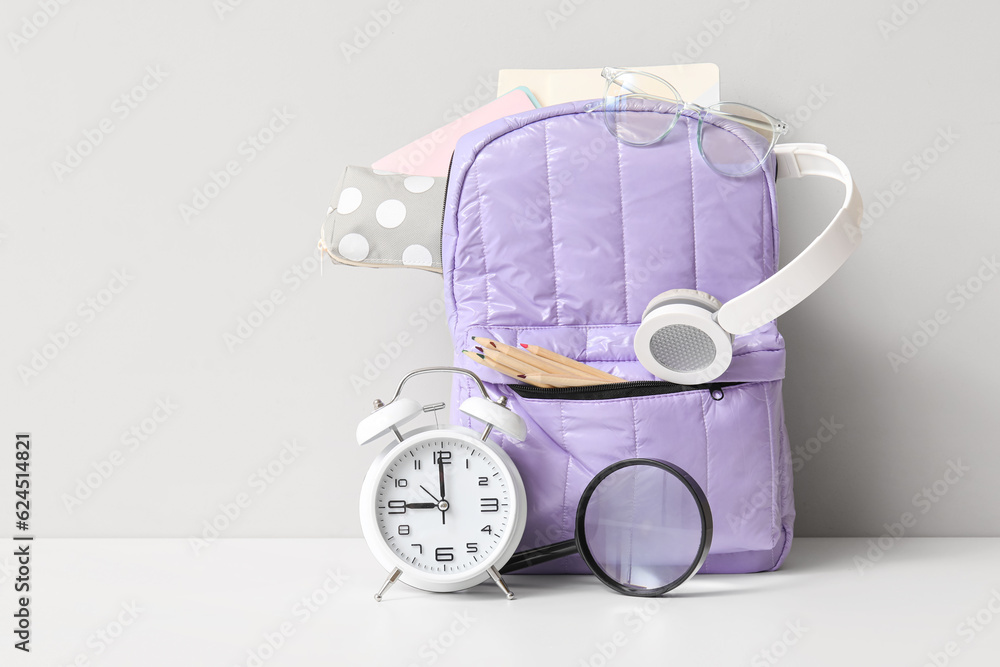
686	336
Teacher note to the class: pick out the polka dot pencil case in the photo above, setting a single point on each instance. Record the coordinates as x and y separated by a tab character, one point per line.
383	219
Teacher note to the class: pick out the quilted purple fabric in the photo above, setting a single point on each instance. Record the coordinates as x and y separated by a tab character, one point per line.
557	235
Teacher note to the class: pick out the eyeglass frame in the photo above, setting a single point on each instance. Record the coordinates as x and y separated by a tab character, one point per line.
778	126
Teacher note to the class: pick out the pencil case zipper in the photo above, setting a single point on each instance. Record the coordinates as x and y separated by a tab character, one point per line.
444	205
630	389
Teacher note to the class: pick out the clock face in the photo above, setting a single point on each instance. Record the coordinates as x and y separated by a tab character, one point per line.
443	505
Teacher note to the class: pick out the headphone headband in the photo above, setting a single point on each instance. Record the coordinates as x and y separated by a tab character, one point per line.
818	262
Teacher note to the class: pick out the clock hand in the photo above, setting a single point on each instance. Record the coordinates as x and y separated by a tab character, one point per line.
421	506
444	505
430	494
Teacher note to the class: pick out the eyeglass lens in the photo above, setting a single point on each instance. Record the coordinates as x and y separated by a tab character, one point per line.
734	139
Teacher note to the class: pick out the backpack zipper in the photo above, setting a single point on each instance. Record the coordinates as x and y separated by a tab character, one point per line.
600	392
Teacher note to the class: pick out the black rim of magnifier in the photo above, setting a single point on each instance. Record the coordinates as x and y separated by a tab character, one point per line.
703	510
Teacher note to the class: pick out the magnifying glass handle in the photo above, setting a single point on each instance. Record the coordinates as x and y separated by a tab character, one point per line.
524	559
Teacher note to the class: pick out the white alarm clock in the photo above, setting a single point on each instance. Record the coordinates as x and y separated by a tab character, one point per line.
442	508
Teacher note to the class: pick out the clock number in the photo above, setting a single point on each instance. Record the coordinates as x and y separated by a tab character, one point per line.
471	547
489	505
397	505
416	464
443	457
404	529
401	482
487	529
444	554
484	481
420	547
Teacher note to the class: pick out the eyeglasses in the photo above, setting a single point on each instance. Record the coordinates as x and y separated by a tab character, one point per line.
641	109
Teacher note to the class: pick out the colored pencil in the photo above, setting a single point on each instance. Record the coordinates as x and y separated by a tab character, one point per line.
498	367
516	363
538	361
571	363
559	380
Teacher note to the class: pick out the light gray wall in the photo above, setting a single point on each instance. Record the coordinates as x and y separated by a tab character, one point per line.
880	97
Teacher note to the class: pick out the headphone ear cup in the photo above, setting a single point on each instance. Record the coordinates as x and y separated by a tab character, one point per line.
690	296
679	339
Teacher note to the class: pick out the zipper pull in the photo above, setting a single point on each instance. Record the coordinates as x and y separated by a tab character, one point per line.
715	391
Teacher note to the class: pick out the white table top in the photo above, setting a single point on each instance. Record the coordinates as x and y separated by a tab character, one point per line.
921	598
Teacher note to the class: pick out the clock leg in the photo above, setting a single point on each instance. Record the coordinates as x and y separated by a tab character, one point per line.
500	582
393	576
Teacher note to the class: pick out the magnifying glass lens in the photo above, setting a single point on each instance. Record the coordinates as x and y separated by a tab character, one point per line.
644	528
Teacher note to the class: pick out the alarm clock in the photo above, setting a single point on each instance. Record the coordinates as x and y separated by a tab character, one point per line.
442	507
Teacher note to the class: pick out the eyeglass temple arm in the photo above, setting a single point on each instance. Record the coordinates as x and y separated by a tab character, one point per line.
818	262
524	559
610	74
769	126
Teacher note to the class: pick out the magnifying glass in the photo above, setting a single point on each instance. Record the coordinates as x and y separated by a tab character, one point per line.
643	526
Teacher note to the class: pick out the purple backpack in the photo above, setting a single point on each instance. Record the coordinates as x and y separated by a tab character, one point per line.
556	234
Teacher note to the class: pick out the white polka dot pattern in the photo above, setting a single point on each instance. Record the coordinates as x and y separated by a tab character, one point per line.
417	255
353	247
390	213
350	200
387	219
418	184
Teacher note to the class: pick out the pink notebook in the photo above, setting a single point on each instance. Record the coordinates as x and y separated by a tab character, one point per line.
429	155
